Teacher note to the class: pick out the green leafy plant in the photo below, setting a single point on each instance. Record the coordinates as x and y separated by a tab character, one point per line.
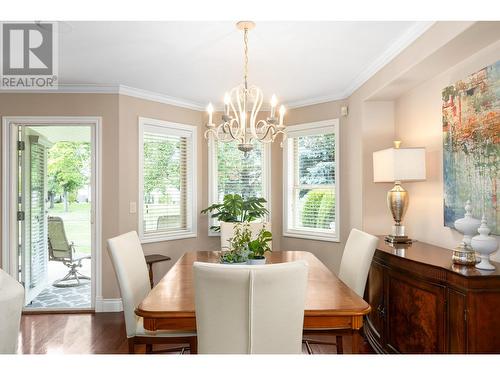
235	209
260	245
239	243
232	257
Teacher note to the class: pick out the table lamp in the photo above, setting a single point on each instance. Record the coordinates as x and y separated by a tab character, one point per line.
396	165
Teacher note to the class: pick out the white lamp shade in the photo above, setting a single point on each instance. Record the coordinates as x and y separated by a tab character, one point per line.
399	164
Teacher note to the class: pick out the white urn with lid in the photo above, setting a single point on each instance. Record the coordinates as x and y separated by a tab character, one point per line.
485	245
467	225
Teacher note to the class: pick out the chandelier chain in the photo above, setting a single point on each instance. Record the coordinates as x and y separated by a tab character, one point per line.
245	39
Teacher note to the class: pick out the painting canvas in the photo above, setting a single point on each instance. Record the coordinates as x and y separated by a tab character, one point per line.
471	146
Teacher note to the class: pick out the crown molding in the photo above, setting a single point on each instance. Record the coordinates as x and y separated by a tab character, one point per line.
317	100
412	34
114	89
160	98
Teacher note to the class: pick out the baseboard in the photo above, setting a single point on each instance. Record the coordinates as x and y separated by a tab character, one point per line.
108	305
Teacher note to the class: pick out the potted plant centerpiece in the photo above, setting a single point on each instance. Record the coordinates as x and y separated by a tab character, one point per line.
259	246
235	209
238	251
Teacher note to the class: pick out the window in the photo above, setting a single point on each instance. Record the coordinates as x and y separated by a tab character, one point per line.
310	166
230	172
167	172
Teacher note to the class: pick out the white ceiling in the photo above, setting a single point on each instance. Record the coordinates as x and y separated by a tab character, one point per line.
196	62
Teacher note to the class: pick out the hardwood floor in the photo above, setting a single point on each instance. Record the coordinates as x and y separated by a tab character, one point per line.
102	333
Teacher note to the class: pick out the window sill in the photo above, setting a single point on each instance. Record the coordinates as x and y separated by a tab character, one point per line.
168	237
317	236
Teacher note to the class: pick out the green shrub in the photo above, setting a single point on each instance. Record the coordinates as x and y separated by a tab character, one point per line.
319	209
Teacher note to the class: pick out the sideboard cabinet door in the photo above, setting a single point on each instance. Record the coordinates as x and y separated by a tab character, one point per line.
415	315
375	297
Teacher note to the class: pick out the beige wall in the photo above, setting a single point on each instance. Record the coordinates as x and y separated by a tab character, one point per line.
418	123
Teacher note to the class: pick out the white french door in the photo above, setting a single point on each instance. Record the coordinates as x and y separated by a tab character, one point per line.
25	144
32	212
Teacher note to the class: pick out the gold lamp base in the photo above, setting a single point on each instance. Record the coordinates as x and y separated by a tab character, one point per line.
397	201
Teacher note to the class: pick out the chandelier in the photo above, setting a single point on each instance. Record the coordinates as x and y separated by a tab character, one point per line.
242	105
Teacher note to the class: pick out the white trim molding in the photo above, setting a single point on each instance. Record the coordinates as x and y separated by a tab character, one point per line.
314	128
108	305
117	90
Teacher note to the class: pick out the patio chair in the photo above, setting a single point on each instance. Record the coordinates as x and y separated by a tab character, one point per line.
60	250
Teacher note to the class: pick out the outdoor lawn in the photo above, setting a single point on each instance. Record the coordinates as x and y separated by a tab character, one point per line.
76	224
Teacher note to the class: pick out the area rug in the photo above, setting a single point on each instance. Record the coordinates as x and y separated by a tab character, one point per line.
73	297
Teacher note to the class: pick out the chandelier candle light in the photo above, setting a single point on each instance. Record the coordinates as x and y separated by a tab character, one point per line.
242	105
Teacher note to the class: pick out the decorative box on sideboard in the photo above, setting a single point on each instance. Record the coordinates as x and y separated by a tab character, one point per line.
423	303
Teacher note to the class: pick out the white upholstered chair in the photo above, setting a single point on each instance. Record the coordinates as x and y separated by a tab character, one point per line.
133	279
354	268
227	231
11	306
250	309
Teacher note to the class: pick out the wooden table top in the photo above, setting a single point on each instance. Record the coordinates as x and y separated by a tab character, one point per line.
327	295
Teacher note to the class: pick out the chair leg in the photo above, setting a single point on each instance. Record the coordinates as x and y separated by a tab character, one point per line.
340	348
308	348
131	345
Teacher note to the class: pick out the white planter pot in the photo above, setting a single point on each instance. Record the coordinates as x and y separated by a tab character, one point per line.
255	262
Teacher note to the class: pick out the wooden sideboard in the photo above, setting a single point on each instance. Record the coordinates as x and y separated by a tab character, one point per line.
423	303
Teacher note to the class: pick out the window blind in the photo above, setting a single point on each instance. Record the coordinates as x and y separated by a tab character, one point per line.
237	174
165	180
313	191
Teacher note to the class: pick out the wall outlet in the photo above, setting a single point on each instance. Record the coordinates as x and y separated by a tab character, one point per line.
133	207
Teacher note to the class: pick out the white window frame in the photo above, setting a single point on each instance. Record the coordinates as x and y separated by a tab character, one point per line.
182	130
213	175
309	129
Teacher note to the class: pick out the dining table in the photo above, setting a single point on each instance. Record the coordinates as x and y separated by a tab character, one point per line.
330	306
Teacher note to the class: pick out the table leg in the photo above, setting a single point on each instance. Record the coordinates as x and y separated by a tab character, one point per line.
150	269
356	341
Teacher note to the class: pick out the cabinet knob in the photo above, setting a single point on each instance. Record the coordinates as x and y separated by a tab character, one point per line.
381	311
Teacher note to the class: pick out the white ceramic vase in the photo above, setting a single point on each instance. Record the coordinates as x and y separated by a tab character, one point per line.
467	225
485	245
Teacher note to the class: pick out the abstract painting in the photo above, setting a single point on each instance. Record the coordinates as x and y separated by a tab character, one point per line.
471	146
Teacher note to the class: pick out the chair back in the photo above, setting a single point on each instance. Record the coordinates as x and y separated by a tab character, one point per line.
250	309
132	273
59	247
356	260
227	232
11	306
